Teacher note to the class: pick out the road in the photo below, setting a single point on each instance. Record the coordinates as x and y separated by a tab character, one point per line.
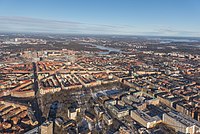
35	105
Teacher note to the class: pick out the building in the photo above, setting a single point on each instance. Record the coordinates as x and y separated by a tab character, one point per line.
188	108
73	110
110	102
47	127
124	130
89	116
69	123
169	99
144	119
59	122
49	90
107	118
116	109
119	111
72	113
98	111
181	123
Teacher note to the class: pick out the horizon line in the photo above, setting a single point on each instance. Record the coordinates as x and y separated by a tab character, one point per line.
20	24
91	34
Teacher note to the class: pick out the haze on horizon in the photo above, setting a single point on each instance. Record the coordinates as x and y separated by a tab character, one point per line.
123	17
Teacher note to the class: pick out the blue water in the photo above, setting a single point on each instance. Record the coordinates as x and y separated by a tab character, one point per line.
109	49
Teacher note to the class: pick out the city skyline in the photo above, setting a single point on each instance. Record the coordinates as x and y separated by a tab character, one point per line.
99	67
168	18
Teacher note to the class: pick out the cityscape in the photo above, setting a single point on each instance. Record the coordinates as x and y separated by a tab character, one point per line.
80	84
57	82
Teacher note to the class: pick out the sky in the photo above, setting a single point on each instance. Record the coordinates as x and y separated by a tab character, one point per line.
122	17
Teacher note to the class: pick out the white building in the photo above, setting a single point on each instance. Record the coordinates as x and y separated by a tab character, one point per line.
181	123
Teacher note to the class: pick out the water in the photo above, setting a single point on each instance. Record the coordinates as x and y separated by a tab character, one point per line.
176	40
170	40
109	49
